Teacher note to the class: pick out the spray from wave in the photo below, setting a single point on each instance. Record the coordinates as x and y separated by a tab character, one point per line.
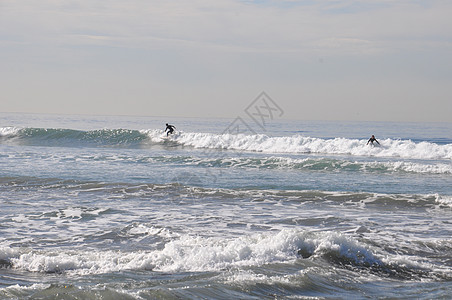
237	142
185	253
302	144
192	253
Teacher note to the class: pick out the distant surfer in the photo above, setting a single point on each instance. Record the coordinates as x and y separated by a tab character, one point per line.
170	129
372	140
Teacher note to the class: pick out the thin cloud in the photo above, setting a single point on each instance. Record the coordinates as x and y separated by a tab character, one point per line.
231	24
224	45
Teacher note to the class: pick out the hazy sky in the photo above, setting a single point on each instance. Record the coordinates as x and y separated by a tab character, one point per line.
383	60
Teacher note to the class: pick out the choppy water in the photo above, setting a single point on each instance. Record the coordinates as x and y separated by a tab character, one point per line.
96	207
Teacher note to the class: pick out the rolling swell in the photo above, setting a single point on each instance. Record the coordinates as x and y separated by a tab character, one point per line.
189	193
238	142
71	137
306	164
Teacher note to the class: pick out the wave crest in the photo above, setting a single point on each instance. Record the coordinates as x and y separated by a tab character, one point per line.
200	254
71	137
302	144
237	142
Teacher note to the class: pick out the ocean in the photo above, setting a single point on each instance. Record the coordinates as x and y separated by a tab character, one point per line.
253	207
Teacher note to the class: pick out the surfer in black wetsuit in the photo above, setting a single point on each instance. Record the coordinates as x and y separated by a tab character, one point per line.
170	129
372	140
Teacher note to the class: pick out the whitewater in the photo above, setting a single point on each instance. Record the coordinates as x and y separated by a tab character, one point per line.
240	142
110	207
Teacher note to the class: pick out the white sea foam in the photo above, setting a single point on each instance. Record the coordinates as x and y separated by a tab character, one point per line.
249	276
7	253
10	292
9	130
444	200
302	144
195	253
413	167
292	163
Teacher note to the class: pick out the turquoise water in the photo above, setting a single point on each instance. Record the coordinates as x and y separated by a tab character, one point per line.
96	206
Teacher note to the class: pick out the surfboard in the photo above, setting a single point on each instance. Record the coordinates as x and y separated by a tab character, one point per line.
375	145
168	137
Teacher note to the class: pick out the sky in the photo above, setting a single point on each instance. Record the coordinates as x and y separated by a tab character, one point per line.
357	60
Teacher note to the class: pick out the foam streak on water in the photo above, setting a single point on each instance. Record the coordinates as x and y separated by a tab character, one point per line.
112	208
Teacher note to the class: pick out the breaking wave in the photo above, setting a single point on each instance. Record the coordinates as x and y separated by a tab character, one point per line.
237	142
186	253
302	144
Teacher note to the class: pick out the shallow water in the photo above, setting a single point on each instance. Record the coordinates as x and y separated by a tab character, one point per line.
109	207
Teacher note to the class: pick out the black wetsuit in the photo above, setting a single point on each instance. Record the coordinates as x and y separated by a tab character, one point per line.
170	129
371	140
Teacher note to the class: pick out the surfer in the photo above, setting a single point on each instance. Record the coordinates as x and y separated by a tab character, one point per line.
170	129
372	140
